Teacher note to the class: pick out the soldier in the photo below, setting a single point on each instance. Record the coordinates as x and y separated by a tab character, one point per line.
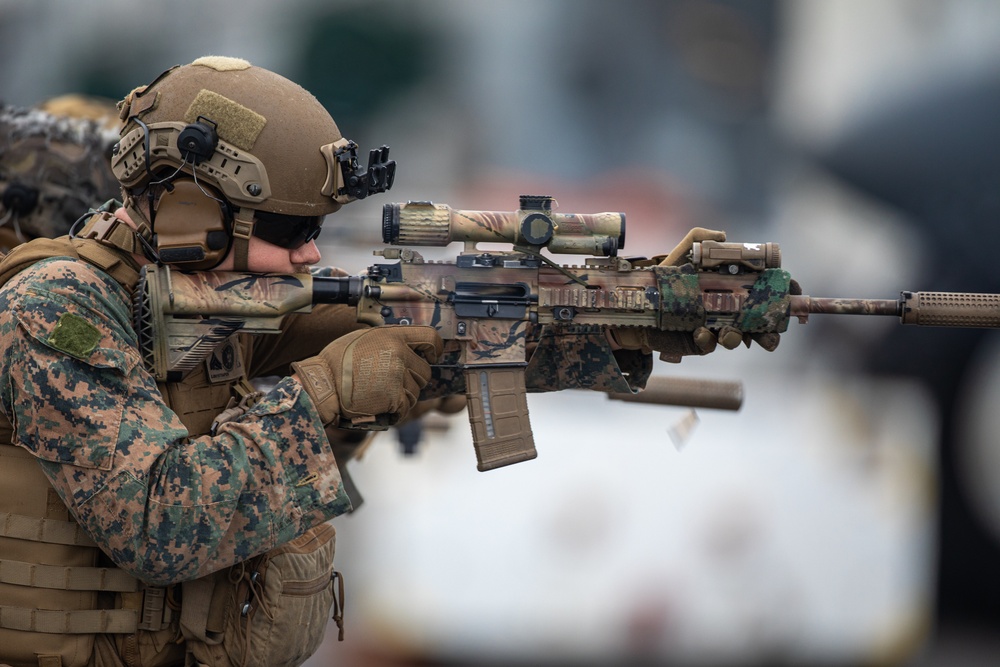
54	164
185	522
139	533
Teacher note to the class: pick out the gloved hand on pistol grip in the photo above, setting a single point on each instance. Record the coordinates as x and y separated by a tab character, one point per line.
370	372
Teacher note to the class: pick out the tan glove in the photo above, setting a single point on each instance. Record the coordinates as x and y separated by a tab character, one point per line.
370	373
678	255
730	337
672	345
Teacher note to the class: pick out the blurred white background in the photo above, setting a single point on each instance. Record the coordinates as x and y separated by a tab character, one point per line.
848	514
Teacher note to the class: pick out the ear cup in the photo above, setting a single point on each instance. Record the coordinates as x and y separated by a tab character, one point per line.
191	227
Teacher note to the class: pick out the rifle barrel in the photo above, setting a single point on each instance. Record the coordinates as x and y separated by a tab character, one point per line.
805	305
936	309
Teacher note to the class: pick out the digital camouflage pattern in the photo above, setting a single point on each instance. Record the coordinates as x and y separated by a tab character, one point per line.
569	357
768	303
52	170
164	505
681	305
559	358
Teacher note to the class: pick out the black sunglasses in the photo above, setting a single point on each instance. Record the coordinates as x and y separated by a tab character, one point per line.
288	231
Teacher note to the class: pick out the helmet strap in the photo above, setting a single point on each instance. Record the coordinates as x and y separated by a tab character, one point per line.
242	231
144	226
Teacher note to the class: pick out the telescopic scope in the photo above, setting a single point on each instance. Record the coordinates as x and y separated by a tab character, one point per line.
424	223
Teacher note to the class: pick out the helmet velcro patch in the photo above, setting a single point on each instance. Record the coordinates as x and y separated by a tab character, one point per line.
222	63
235	123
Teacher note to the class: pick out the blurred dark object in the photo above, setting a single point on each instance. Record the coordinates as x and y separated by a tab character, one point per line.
932	154
54	165
409	434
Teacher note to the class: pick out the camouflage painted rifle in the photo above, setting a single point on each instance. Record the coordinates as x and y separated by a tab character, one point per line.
514	320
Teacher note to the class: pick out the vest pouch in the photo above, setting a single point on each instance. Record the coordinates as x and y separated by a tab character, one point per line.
35	528
275	607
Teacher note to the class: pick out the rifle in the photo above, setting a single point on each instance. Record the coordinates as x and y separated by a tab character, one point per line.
515	321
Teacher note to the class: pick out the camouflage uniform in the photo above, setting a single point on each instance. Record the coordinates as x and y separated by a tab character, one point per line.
164	499
205	525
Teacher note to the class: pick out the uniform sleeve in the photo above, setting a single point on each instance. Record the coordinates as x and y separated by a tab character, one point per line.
164	506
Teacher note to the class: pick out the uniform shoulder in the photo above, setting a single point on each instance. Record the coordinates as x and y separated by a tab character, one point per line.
59	274
66	280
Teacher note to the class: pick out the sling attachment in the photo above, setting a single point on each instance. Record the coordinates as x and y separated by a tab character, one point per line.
338	602
243	223
109	230
246	397
157	609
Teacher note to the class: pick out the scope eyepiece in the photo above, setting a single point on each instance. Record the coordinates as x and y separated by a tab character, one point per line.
390	223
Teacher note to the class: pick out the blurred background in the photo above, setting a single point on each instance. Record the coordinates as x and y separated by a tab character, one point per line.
849	514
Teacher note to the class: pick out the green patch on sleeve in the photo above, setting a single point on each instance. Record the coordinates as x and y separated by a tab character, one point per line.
75	336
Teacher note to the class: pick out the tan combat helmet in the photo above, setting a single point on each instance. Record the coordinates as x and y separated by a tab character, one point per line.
219	150
53	169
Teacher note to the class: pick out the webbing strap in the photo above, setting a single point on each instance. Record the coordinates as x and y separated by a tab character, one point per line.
96	621
108	229
242	231
49	531
118	266
68	578
110	232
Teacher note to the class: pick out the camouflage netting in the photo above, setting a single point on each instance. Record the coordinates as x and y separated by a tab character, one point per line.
52	170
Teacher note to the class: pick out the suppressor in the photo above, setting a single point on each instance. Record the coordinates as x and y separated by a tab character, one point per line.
688	392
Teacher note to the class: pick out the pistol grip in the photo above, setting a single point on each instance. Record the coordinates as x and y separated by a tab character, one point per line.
498	415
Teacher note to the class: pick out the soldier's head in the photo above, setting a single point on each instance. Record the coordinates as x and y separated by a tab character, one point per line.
219	151
53	168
